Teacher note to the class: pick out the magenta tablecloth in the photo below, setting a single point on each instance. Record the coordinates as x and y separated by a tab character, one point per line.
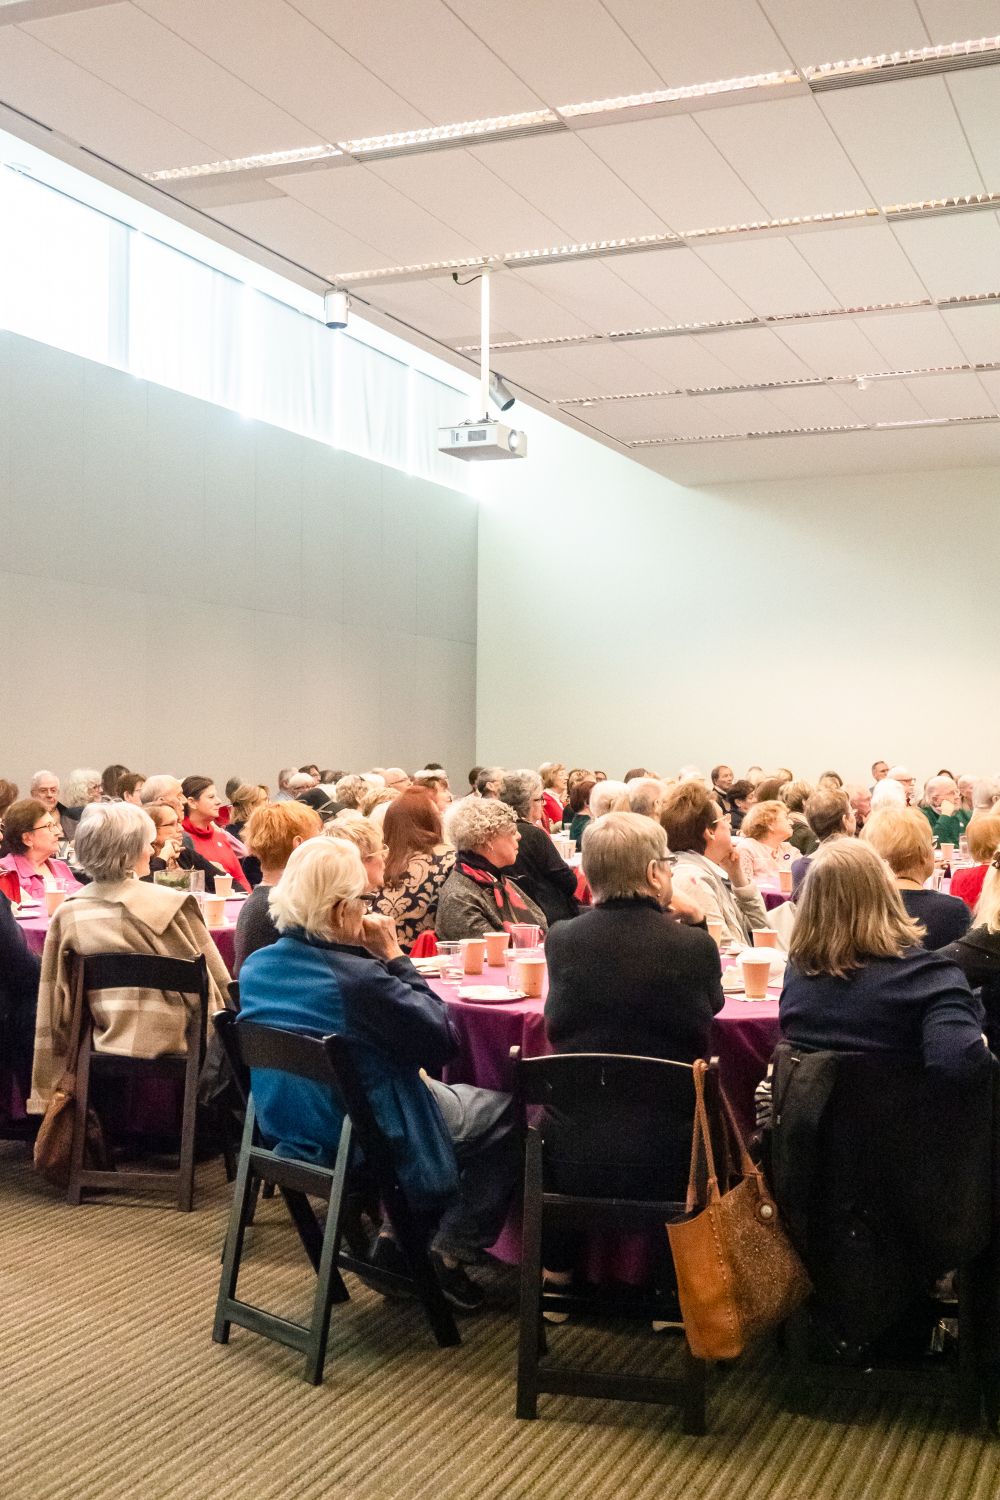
35	927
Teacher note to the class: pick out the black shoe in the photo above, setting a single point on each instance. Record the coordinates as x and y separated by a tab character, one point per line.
458	1288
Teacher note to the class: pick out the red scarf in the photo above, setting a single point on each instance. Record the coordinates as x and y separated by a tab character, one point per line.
504	890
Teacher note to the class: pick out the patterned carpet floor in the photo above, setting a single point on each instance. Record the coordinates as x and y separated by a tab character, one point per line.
111	1389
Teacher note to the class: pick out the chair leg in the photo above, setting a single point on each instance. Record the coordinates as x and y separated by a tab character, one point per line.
243	1198
189	1118
312	1238
329	1283
81	1104
531	1337
435	1304
971	1389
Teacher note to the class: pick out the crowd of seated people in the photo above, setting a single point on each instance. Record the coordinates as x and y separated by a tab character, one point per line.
395	860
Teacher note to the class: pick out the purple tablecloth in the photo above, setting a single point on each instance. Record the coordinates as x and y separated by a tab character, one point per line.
36	926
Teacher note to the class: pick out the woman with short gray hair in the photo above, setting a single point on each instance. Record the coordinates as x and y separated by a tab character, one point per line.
538	870
636	973
479	895
118	913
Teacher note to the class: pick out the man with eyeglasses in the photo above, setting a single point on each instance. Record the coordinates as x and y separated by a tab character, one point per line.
44	788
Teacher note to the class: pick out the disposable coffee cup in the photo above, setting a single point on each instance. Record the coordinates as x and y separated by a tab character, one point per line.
785	882
714	925
53	901
525	935
473	953
756	973
214	908
224	885
531	971
497	944
765	937
948	853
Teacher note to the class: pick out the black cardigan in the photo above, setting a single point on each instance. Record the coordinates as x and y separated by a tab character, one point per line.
978	956
544	875
627	977
19	971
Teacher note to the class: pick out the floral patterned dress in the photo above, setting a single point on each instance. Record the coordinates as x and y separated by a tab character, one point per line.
412	904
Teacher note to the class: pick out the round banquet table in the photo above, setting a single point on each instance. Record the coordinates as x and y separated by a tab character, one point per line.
744	1034
35	925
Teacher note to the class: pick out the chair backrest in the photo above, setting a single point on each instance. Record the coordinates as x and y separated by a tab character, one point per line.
325	1060
608	1081
145	971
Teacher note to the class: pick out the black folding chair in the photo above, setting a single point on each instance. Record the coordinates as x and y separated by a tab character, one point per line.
327	1062
143	971
608	1083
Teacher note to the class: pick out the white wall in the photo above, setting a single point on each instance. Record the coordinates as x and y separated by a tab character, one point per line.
626	620
187	591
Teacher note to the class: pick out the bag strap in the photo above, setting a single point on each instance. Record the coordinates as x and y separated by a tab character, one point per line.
76	1022
701	1141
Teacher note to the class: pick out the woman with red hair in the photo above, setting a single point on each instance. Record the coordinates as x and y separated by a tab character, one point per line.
416	865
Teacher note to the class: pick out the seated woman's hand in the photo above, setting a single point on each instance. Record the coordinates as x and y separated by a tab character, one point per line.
685	901
378	933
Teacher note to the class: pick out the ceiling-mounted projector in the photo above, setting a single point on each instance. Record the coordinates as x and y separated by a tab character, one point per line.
482	440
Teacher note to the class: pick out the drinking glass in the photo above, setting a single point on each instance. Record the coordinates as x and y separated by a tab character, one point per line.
525	935
196	884
511	959
452	966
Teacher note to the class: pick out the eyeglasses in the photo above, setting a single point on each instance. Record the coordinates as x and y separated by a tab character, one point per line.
36	827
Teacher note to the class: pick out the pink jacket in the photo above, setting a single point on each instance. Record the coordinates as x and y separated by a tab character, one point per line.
33	881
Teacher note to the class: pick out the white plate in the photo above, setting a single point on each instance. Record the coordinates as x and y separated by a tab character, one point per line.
488	994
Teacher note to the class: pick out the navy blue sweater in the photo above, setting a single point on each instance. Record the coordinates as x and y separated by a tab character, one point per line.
916	1006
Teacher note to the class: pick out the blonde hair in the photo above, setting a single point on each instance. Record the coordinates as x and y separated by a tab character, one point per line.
352	828
795	795
983	834
245	799
902	836
550	772
376	797
761	819
318	875
617	849
849	911
988	909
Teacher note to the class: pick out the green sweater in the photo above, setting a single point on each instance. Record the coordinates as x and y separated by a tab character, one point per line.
947	829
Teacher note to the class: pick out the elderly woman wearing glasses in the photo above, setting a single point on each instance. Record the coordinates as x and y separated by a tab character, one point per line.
31	836
479	895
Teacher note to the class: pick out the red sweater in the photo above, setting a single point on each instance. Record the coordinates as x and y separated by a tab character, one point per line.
968	884
213	845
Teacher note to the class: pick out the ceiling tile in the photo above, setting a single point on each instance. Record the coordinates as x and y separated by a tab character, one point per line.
977	98
885	401
148	63
676	169
276	49
959	20
834	348
562	176
518	303
976	330
421	49
914	340
748	412
357	198
815	407
951	395
769	274
755	355
681	286
684	362
787	155
862	266
292	229
816	33
602	369
67	98
427	305
537	370
954	256
643	419
592	291
687	44
568	51
879	127
991	384
468	197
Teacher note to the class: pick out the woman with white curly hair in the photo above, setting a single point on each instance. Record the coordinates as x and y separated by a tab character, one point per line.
479	896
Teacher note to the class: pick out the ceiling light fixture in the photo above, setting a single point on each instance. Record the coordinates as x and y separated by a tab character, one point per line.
302	155
804	382
783	432
783	225
434	136
917	62
721	91
932	208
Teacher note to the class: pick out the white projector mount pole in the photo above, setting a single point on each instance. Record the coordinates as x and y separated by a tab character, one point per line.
484	343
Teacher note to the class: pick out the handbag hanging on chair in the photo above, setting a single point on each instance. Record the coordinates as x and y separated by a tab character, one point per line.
54	1142
738	1274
